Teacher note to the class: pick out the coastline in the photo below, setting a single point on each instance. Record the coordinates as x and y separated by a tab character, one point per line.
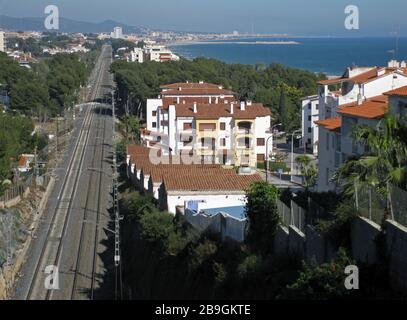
186	43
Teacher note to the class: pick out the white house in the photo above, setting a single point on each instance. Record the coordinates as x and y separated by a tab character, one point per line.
172	184
361	100
310	114
206	120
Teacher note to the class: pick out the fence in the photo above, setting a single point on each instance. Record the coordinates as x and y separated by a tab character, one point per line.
19	190
298	216
379	205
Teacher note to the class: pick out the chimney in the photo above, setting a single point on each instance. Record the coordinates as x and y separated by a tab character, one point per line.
242	105
179	89
360	99
249	103
177	100
201	82
231	108
195	108
210	100
217	100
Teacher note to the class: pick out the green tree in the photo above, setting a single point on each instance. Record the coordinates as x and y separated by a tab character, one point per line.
385	158
261	209
322	282
308	170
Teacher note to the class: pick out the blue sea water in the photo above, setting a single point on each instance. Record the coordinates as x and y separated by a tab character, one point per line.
328	55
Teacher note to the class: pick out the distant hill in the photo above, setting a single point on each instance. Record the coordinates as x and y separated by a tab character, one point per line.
65	25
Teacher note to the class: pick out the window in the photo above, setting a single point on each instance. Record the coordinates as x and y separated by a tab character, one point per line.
187	125
309	118
223	126
154	124
154	113
309	130
260	142
222	142
207	127
261	157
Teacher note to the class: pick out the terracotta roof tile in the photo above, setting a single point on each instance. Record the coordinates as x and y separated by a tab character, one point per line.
332	124
363	77
372	108
167	101
210	182
196	91
190	85
215	111
397	92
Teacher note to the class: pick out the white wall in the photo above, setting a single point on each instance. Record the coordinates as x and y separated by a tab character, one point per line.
212	200
310	108
152	105
262	124
384	84
326	160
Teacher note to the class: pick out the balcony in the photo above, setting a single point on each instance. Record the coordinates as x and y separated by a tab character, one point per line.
244	143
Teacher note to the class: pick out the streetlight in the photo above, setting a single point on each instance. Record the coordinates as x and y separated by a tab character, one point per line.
292	153
267	147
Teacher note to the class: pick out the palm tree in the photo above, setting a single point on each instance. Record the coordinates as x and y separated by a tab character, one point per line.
385	159
308	170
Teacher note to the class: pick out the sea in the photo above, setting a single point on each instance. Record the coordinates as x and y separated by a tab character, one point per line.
328	55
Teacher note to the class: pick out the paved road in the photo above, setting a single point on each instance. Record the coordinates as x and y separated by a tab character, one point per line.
71	233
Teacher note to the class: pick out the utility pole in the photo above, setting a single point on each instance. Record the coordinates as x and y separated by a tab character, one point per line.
57	135
35	167
116	209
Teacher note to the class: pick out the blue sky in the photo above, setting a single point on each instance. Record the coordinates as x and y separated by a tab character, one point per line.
296	17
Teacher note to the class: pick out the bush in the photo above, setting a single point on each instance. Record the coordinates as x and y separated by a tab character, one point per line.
263	217
276	166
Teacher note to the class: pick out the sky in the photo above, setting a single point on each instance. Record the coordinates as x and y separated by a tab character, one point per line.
294	17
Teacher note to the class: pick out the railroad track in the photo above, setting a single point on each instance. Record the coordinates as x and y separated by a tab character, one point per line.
85	130
77	268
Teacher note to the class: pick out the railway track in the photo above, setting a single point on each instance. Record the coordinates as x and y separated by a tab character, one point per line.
36	288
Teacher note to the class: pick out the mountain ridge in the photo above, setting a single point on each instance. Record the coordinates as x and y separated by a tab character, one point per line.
65	25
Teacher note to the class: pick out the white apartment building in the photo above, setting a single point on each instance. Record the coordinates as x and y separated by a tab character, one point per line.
310	114
2	45
117	33
360	99
205	120
159	54
152	53
137	55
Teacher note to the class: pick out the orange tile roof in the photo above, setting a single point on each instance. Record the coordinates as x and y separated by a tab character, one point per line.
167	101
215	111
210	182
22	162
331	124
372	108
397	92
363	77
197	92
191	85
194	177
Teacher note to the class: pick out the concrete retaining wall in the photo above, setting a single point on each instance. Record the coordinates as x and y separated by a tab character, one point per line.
363	234
281	240
296	242
315	246
396	247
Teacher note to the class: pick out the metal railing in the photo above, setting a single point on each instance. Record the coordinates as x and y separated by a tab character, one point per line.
379	205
